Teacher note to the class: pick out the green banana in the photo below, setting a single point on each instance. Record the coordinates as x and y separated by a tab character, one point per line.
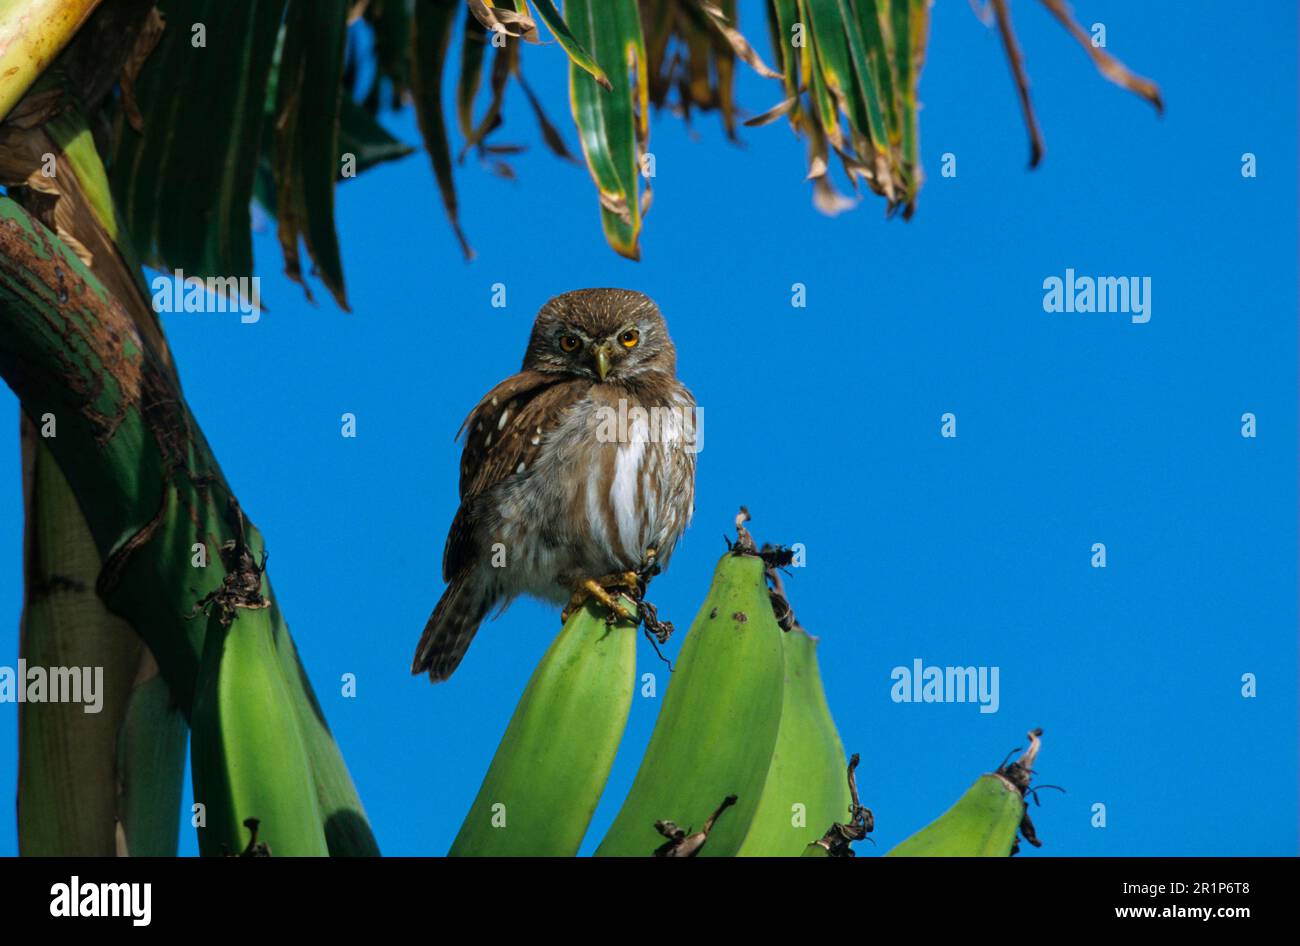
548	773
347	830
805	789
249	760
719	722
984	821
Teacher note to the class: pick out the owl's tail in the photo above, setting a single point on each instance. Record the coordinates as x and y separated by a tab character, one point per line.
451	628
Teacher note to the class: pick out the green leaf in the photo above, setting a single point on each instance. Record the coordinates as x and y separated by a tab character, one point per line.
783	15
612	122
826	111
577	51
305	150
430	37
865	78
361	135
911	30
880	73
391	22
183	189
831	49
473	50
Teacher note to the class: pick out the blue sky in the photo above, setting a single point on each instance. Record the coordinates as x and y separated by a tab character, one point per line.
1072	429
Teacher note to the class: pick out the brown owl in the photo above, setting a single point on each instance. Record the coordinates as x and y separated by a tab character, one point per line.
578	472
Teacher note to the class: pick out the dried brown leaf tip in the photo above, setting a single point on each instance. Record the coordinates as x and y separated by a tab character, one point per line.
739	45
510	22
744	544
1106	64
682	844
1110	67
255	848
1018	775
839	838
775	559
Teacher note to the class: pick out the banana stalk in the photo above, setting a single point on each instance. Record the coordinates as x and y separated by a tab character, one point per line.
718	727
985	820
805	789
136	757
150	767
550	769
66	796
114	470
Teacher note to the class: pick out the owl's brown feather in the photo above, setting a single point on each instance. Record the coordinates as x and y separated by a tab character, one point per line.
503	437
451	628
547	499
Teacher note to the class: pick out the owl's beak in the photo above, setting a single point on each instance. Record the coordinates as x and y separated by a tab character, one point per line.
601	355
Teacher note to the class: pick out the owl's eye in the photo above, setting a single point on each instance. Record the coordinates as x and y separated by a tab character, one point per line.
629	338
569	343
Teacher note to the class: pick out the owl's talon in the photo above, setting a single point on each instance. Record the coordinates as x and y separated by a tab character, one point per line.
597	588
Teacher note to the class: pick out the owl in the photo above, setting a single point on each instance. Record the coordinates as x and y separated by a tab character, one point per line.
578	473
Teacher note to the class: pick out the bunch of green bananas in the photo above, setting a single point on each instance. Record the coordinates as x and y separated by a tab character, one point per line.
744	748
744	760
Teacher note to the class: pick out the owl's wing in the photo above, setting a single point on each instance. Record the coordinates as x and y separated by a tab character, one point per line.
503	436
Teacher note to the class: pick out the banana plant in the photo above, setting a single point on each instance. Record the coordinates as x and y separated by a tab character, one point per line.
130	451
129	498
84	350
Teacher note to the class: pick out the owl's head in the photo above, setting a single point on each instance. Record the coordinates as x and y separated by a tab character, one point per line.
602	334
